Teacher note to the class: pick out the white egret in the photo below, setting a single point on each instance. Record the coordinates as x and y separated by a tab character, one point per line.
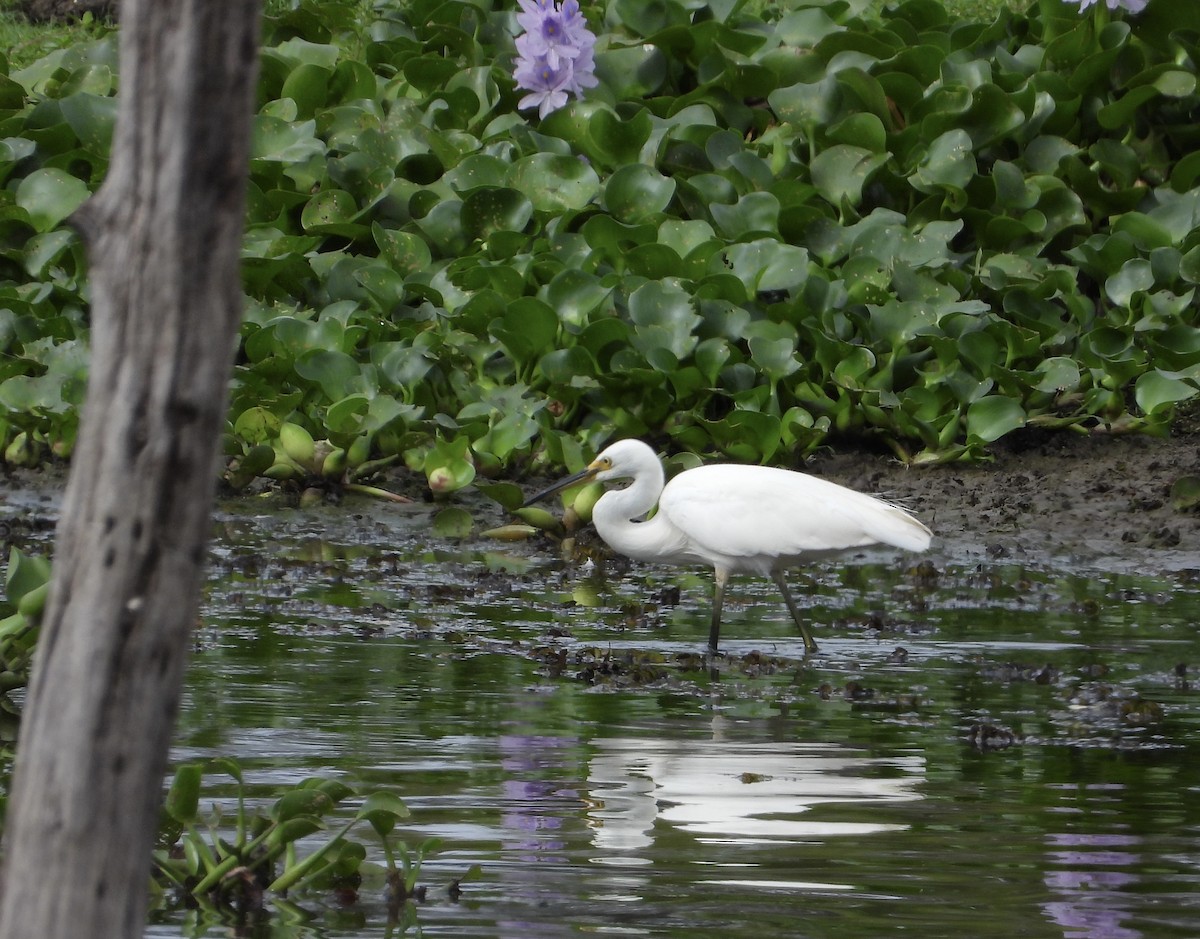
738	519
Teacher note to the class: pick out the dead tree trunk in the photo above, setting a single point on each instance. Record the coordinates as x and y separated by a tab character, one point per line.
164	236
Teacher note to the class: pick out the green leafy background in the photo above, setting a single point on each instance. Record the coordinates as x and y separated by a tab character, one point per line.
772	226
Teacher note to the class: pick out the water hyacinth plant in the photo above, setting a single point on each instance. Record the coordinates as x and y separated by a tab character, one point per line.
1133	6
555	54
770	227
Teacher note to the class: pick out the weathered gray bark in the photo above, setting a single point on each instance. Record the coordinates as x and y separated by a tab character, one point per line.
164	235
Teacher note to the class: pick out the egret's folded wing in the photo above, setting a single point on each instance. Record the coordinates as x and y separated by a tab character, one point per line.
747	511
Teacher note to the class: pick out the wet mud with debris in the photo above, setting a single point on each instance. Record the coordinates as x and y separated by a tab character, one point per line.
1082	502
1079	501
1051	568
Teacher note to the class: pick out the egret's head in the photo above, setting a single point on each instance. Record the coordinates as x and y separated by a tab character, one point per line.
621	460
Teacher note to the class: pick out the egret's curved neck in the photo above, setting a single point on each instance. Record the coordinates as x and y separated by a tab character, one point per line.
617	509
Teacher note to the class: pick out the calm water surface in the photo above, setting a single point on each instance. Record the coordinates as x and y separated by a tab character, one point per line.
982	748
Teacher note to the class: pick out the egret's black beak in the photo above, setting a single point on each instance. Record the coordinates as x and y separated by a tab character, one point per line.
581	476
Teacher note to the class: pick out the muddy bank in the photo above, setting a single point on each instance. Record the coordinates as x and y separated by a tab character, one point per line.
1051	500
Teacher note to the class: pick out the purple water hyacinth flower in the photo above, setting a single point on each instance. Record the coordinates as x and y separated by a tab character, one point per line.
1133	6
552	31
547	86
555	54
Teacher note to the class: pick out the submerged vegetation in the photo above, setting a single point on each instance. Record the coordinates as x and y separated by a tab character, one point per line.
769	226
232	864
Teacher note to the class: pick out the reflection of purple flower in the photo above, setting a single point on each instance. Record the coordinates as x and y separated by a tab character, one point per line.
1133	6
555	54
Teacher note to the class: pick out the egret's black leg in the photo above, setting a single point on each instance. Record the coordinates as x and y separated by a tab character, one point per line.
714	634
810	645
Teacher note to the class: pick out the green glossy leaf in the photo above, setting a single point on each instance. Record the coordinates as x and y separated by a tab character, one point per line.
575	296
1154	391
665	321
1057	374
49	196
572	367
949	161
619	140
754	213
308	86
684	235
405	252
335	371
449	466
632	72
346	416
840	172
299	803
26	573
382	810
991	417
44	251
183	798
806	104
636	192
280	141
257	425
775	356
489	210
768	265
1136	275
1185	493
92	117
527	329
554	183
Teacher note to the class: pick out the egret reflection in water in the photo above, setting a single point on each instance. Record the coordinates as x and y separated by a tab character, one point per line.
728	792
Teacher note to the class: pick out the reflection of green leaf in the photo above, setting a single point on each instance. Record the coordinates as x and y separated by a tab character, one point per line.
453	522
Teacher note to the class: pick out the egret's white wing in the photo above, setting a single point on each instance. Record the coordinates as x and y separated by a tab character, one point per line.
760	512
